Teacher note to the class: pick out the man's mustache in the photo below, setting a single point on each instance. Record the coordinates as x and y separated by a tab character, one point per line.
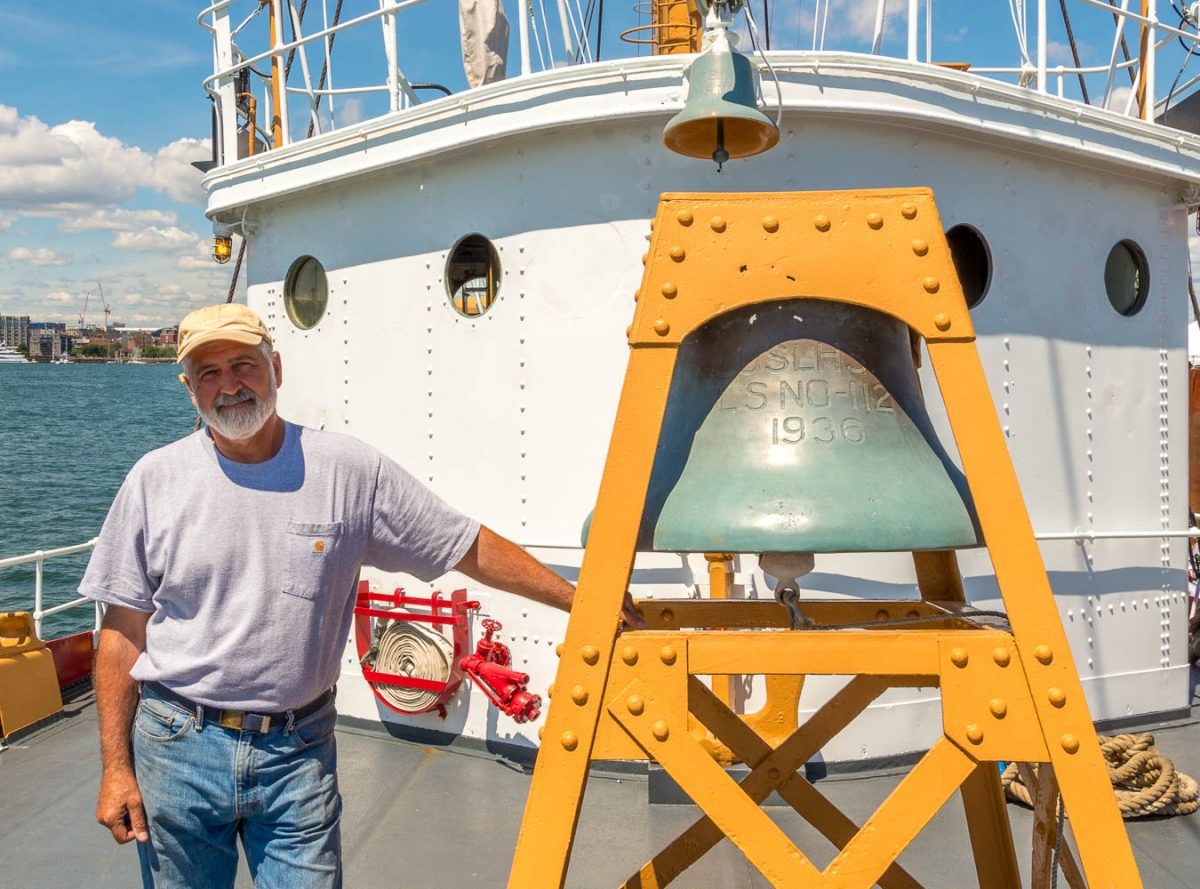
242	396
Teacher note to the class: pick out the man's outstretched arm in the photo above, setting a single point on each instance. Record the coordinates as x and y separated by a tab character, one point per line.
499	563
122	639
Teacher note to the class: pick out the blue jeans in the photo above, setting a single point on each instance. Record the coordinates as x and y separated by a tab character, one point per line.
204	786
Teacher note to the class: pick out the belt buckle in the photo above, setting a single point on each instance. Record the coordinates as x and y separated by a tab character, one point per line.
236	720
233	719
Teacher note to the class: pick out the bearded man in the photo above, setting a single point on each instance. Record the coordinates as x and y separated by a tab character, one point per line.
229	561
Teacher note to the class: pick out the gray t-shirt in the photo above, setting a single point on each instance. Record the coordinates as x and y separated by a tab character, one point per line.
249	569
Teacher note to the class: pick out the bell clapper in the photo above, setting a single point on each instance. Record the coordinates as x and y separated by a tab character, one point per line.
787	568
720	155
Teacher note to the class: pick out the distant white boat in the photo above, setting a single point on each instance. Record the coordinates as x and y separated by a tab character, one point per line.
64	358
9	355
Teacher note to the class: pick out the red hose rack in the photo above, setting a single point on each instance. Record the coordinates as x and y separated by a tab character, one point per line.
457	605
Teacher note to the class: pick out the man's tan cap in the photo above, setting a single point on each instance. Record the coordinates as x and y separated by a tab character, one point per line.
225	322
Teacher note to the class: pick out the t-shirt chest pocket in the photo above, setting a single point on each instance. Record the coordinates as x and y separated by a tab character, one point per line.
312	554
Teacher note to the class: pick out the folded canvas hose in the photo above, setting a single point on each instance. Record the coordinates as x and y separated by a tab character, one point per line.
1145	781
411	649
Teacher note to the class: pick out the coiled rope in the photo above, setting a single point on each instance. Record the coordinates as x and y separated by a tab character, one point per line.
407	648
1145	781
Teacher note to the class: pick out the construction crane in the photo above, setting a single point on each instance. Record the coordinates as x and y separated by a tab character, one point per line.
82	323
107	307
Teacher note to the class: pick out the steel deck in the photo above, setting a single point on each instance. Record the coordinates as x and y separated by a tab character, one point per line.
421	818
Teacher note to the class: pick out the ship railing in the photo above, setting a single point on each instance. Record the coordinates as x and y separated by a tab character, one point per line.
39	559
556	33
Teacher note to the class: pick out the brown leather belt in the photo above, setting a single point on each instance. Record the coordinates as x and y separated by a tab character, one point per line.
240	720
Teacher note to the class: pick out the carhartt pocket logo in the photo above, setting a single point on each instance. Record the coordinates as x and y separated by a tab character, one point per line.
319	546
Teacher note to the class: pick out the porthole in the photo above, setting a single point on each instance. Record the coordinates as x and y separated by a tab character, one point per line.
972	262
1127	277
306	292
473	275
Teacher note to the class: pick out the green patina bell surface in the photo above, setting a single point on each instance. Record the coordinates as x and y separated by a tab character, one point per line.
721	88
800	427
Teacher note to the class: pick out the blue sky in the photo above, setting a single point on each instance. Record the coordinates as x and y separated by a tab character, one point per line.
102	111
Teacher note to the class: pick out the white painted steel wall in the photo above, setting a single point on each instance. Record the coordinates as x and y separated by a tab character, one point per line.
508	415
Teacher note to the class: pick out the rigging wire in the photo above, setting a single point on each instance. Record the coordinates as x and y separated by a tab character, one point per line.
599	26
1184	19
1124	45
754	42
1074	52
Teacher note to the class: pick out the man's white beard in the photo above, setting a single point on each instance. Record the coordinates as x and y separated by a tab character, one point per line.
241	415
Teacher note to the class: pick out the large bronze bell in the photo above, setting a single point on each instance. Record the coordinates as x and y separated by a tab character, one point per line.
800	427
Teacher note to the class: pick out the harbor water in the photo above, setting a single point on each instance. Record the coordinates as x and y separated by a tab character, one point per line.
68	436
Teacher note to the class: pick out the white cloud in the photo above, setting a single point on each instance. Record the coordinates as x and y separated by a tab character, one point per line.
859	20
37	256
350	112
153	239
174	173
1120	99
117	219
6	223
60	298
195	264
69	165
854	20
74	167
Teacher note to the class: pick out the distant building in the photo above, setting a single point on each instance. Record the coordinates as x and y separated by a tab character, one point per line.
14	330
45	344
140	340
168	336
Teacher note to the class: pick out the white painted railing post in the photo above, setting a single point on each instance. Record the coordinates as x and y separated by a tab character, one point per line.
283	103
1149	61
226	108
389	49
523	27
914	26
1041	46
37	592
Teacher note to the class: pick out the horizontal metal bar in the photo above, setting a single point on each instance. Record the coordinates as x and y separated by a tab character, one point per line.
1115	535
284	48
1133	16
43	554
82	600
912	652
382	88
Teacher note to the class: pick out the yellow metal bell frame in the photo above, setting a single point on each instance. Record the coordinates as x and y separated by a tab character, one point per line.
636	695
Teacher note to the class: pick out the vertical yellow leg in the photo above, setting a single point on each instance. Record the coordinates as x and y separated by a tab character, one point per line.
990	830
552	811
938	576
1104	850
720	586
992	844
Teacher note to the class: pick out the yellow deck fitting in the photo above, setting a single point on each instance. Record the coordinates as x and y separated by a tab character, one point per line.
1011	696
28	684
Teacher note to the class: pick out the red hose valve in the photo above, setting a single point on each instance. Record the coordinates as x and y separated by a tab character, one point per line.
489	668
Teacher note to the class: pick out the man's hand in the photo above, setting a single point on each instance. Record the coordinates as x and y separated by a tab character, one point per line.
119	807
122	639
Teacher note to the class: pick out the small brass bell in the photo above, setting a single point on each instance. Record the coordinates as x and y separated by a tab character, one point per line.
720	119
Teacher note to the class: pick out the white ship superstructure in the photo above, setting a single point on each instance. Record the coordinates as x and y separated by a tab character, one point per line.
451	282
